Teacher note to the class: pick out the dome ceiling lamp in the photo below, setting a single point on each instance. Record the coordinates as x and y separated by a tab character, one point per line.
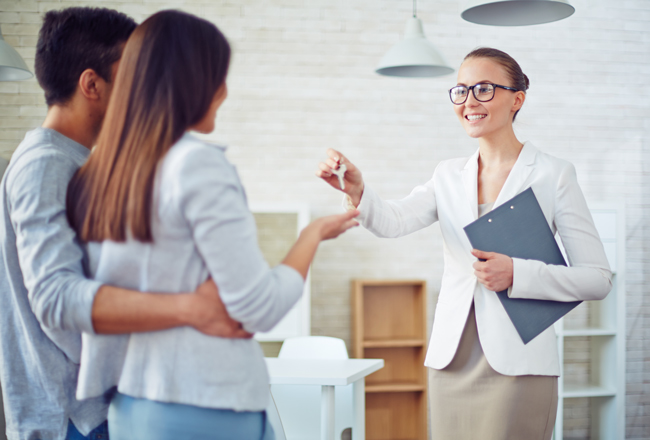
414	56
516	12
12	65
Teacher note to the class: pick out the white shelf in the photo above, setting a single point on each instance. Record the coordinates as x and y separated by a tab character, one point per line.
602	325
589	332
573	391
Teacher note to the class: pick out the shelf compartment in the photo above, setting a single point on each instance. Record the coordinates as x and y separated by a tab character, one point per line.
393	343
401	365
592	418
590	365
396	416
593	315
393	311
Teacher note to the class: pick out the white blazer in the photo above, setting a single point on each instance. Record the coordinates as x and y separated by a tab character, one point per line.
451	197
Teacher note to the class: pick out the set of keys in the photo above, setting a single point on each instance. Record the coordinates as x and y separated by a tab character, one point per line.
340	173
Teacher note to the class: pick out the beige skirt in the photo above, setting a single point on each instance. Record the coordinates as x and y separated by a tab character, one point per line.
470	401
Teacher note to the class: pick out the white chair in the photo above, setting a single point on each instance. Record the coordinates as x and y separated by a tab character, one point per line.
313	347
299	405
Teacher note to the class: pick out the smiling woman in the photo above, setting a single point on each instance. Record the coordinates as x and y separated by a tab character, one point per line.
484	381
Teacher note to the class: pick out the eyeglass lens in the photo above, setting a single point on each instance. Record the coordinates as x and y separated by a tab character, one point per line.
482	92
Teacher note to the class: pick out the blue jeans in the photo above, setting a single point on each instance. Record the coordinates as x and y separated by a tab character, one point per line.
99	433
141	419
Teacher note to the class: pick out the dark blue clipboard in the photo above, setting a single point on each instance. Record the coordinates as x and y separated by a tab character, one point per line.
518	229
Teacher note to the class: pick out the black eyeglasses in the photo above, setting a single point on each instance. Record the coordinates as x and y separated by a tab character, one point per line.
482	92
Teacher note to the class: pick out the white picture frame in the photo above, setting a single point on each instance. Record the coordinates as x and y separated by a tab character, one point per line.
298	321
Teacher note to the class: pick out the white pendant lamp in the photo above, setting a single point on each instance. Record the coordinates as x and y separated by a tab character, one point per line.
12	65
516	12
414	56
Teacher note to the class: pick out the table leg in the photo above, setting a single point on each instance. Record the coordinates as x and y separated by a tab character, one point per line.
327	413
359	410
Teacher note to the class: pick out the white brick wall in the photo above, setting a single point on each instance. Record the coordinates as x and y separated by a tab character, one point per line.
303	79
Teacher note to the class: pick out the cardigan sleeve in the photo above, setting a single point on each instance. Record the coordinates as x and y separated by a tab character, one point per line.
588	276
212	201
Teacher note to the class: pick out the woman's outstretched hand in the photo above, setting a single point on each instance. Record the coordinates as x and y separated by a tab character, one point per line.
495	273
334	225
352	178
302	253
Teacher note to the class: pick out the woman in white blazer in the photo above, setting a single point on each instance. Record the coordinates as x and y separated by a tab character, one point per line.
484	382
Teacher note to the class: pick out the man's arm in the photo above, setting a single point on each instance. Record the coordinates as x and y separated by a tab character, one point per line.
51	263
117	310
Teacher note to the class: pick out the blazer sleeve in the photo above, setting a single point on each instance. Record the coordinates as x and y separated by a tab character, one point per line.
396	218
588	276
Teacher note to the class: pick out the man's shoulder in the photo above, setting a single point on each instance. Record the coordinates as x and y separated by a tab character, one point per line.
41	156
43	145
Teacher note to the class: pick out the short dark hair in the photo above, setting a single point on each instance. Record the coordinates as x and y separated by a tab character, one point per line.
75	39
518	78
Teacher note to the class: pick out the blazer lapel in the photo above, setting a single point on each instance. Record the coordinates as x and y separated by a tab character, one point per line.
518	175
470	182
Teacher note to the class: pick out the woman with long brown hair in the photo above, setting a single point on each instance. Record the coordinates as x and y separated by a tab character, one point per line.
154	197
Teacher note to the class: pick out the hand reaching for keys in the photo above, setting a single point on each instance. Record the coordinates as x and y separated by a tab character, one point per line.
341	174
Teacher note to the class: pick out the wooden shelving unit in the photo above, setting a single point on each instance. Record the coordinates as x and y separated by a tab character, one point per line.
389	322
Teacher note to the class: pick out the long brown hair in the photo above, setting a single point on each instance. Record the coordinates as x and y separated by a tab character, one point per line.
518	78
172	66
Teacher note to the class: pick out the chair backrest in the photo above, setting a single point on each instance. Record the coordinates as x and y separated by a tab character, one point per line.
313	347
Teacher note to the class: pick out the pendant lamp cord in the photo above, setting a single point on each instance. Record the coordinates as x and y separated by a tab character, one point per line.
414	9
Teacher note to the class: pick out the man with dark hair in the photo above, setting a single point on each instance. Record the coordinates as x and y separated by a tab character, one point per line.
45	300
73	40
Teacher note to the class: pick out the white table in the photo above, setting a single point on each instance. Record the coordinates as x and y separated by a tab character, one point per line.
328	374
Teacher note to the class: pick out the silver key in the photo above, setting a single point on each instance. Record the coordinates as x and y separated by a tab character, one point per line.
340	173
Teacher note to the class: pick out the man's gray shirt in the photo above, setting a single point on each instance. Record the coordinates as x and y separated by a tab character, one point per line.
45	300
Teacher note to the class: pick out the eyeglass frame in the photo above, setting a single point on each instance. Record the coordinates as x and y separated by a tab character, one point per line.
471	88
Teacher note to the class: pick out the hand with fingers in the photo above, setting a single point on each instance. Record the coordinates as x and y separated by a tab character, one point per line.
496	272
325	228
332	226
210	314
341	174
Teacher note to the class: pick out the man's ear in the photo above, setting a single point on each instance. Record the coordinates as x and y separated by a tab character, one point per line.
91	84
